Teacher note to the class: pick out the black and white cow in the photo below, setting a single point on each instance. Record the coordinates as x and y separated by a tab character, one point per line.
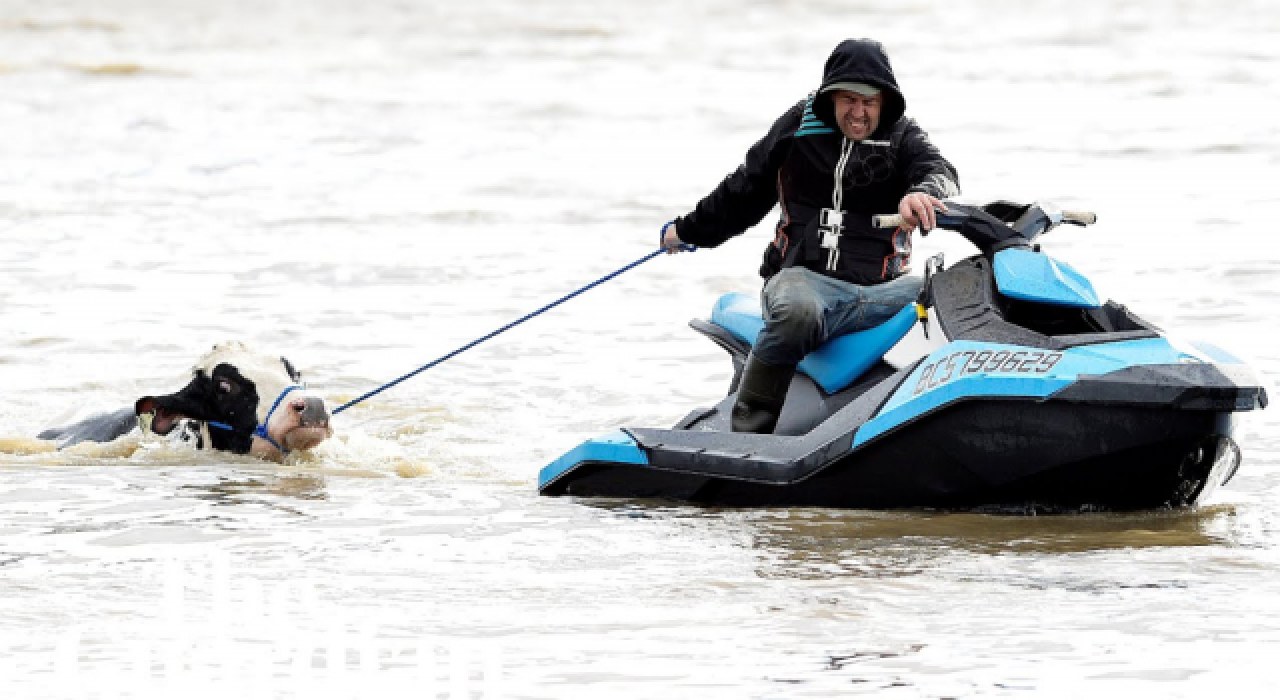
238	400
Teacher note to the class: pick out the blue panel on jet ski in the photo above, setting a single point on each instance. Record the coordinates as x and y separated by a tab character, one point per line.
1031	276
615	447
837	363
966	369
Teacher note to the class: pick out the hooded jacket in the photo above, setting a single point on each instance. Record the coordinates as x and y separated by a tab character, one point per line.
796	163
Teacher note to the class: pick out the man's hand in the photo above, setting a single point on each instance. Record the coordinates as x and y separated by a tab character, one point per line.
671	240
918	209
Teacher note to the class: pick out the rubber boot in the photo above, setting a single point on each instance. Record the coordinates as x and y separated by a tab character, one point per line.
761	393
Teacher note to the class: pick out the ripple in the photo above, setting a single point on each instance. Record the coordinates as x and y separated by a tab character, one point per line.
108	69
139	536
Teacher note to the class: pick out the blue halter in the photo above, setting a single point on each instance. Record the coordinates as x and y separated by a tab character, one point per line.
261	430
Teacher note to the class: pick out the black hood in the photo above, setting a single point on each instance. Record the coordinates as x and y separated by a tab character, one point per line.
861	61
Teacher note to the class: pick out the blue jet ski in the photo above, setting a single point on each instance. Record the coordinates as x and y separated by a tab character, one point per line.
1007	385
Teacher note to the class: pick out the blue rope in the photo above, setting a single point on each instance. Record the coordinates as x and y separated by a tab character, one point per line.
509	326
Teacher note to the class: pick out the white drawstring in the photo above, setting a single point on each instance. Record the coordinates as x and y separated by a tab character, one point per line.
837	197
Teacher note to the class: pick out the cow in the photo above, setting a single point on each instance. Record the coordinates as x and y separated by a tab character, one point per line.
238	400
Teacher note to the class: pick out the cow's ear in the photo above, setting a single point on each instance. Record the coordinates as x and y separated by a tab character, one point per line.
288	367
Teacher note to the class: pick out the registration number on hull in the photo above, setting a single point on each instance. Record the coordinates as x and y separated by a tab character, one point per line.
966	362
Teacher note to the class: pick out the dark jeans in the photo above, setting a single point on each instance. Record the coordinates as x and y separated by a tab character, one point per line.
804	309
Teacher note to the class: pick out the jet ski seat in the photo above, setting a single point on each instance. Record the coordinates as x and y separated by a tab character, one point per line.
839	361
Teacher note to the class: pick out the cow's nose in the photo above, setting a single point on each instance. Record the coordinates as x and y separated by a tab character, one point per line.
311	411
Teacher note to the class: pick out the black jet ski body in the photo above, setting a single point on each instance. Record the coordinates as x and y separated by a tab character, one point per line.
1008	385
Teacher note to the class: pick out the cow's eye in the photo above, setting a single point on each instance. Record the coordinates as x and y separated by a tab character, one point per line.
225	387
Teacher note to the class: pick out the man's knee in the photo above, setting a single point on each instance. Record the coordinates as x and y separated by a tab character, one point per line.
796	315
794	318
792	303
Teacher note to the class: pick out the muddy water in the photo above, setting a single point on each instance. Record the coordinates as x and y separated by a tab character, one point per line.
366	187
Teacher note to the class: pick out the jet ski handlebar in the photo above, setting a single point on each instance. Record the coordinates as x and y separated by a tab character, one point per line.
888	221
999	224
1079	218
1069	216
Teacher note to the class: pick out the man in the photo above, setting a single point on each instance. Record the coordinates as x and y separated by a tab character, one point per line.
832	161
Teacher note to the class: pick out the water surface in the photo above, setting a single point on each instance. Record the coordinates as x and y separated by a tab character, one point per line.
364	187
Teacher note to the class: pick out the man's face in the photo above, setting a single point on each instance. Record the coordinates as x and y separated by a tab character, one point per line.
858	115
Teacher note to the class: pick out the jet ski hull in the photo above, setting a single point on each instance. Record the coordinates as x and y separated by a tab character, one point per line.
1132	424
1001	454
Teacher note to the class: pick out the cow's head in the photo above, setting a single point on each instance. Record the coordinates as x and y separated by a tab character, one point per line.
237	389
